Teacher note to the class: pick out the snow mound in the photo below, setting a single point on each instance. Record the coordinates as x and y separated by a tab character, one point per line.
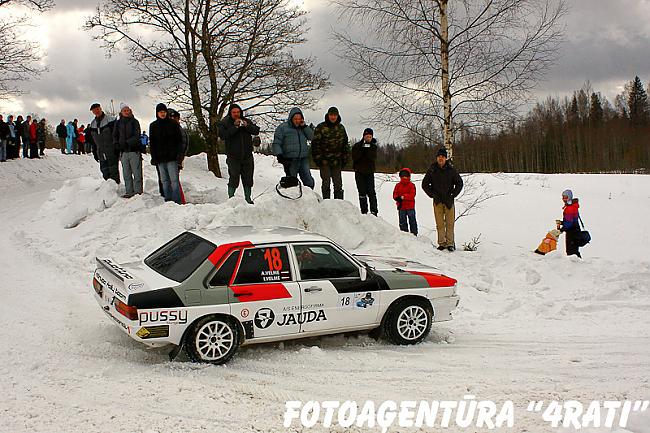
78	199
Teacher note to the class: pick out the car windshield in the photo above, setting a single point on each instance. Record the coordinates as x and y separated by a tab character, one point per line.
178	258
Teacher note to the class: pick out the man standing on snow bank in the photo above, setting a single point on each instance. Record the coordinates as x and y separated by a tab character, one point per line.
62	133
364	155
570	224
330	149
101	130
290	146
126	139
165	143
237	131
443	184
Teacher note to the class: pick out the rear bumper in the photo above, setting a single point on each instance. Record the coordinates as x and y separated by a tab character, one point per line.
443	307
148	335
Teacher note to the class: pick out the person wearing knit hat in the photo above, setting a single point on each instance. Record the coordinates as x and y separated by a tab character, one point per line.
570	223
404	196
330	150
165	146
101	134
443	184
126	137
364	155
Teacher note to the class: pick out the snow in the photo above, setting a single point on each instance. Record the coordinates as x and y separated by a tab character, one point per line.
528	328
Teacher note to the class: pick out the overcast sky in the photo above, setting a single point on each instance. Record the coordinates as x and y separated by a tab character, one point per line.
607	43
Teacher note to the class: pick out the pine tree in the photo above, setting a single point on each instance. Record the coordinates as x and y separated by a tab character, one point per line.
637	102
595	110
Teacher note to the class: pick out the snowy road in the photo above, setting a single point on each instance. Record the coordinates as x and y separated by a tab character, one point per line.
530	328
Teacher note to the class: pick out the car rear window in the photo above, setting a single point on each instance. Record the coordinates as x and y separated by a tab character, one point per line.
178	258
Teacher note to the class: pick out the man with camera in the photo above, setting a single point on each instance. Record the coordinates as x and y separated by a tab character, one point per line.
290	146
237	131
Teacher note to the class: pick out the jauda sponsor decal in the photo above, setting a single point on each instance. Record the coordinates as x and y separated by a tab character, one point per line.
300	318
172	317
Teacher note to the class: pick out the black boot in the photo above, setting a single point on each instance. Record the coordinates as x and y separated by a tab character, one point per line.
363	204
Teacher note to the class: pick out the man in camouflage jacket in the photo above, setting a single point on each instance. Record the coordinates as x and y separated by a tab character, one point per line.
330	150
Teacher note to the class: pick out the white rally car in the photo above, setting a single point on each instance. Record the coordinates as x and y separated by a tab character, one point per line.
211	292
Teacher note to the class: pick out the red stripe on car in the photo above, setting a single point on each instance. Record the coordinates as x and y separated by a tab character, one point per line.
260	292
435	280
217	256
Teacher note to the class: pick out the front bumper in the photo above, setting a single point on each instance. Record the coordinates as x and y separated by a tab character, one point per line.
443	307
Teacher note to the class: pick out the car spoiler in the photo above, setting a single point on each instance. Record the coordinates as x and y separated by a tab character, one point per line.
114	269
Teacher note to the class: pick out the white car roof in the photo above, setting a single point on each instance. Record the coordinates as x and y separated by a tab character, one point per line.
257	235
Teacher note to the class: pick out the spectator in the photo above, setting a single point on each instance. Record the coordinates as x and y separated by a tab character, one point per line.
570	223
12	150
69	137
33	139
443	184
237	131
364	155
41	136
20	133
75	139
26	137
144	142
101	129
126	139
165	143
290	146
62	133
404	196
4	135
81	134
330	149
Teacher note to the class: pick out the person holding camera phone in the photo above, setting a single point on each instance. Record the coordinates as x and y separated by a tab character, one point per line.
290	146
237	131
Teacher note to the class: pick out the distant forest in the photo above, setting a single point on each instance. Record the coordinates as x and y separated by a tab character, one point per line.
584	133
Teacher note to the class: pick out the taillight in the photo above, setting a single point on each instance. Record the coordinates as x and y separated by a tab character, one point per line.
127	311
98	287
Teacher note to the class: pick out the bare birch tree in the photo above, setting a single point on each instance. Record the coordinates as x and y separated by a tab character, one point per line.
205	54
20	59
447	62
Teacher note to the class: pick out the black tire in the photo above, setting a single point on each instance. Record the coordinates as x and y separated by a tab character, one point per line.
212	339
409	321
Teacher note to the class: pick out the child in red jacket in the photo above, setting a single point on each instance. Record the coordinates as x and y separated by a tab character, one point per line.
404	196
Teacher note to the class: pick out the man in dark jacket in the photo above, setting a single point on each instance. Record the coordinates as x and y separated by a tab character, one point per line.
364	155
443	184
290	146
4	135
165	143
101	129
237	131
330	149
126	138
62	133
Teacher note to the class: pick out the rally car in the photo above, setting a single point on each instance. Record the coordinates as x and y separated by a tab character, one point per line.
209	292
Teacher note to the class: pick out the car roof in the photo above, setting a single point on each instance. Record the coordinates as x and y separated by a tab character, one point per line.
257	235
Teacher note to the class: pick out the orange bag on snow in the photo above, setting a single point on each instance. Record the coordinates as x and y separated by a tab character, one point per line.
549	243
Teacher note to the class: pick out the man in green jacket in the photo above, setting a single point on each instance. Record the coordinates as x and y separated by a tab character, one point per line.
330	150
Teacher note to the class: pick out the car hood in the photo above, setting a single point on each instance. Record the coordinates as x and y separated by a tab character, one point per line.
401	273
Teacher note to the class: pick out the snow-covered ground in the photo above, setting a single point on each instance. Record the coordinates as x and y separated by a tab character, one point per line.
528	328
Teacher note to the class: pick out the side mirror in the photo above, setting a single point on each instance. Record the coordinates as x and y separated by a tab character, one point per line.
363	273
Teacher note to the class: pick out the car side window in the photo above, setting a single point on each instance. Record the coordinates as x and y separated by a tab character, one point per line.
223	275
321	262
264	265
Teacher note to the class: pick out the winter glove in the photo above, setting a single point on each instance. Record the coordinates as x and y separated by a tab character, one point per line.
399	202
281	159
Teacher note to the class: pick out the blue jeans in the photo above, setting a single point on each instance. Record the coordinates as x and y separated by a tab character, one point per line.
406	219
300	167
3	150
169	179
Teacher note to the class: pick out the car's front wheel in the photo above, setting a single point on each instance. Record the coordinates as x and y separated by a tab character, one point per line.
212	339
409	322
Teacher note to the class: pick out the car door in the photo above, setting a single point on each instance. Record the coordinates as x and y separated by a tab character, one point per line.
334	296
263	291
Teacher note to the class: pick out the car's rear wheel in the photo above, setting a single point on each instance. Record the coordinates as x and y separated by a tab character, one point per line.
212	339
409	322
